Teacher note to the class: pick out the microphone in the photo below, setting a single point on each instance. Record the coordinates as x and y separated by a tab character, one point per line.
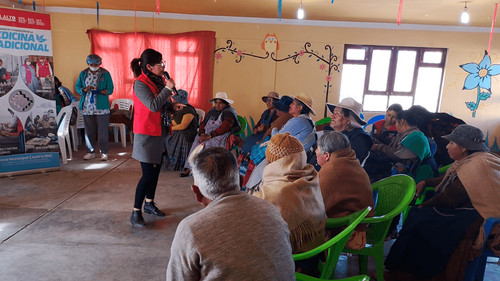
167	76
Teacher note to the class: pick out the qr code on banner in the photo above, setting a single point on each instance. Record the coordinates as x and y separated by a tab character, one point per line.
21	100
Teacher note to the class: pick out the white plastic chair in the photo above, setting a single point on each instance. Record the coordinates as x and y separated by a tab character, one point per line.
201	115
63	137
74	129
123	104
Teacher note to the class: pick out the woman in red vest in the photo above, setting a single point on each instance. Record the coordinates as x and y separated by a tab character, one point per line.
152	93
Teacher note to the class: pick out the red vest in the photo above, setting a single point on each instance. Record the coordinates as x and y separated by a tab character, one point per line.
146	122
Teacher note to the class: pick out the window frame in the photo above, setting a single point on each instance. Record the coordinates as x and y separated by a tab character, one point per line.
391	76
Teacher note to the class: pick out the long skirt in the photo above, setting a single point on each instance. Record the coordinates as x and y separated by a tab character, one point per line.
177	151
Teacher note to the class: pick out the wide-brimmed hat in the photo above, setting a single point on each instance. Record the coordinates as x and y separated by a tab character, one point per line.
468	137
221	96
352	105
307	100
273	95
283	104
181	97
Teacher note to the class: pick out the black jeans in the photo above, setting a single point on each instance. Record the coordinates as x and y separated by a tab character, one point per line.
146	187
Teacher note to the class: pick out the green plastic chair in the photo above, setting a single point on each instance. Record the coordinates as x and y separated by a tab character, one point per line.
393	196
323	121
333	247
241	133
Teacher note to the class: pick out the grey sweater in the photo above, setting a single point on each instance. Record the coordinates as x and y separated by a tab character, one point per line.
236	237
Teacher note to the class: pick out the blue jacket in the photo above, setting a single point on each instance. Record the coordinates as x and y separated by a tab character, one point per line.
105	83
302	127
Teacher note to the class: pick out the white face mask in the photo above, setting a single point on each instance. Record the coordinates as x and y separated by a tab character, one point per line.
94	68
28	62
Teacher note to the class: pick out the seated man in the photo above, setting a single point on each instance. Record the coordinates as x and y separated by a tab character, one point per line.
236	236
345	186
384	130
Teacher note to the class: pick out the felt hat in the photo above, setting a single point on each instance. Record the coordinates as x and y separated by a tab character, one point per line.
283	104
351	105
181	97
468	137
307	100
94	59
273	95
282	145
221	96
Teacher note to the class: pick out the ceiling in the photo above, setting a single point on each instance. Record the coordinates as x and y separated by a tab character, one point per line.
429	12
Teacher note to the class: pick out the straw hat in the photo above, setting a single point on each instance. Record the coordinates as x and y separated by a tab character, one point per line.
221	96
307	100
352	105
282	145
468	137
273	95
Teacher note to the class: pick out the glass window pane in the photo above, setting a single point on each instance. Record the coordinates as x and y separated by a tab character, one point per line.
375	103
428	85
404	101
352	82
433	57
379	70
404	71
355	54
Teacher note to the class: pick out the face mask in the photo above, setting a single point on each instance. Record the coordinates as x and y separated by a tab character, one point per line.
94	68
28	62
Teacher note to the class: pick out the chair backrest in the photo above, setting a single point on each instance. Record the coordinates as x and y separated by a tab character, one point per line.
243	124
394	194
123	104
65	116
373	120
335	245
201	115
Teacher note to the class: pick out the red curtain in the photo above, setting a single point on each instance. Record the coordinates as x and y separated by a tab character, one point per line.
189	60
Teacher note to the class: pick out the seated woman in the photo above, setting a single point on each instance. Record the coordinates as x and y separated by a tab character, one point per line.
437	238
218	124
267	117
384	130
184	128
407	149
292	186
346	119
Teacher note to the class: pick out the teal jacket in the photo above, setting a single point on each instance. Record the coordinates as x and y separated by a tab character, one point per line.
105	83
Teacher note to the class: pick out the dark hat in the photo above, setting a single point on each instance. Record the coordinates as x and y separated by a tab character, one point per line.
181	97
273	95
283	104
468	137
94	59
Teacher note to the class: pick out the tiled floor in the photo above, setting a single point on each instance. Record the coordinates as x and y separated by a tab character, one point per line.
73	224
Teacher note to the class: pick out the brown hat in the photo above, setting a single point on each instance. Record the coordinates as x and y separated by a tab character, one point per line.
282	145
273	95
307	100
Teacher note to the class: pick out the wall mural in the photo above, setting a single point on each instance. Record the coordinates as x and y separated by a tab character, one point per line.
327	61
479	79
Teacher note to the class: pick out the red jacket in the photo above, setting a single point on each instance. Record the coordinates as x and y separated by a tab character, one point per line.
146	122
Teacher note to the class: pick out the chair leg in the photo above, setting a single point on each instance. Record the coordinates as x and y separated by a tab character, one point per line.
115	133
74	137
379	264
68	144
363	264
123	135
62	148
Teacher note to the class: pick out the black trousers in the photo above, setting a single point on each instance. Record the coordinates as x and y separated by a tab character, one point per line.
146	187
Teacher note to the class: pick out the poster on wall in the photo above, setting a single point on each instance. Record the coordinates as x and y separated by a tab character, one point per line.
28	127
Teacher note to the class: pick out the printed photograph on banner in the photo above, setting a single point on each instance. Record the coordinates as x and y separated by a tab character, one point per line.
11	133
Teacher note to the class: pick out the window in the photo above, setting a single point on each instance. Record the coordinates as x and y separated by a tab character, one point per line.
378	76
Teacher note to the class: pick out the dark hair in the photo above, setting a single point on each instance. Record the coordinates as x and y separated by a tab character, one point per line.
410	117
395	107
149	56
57	83
305	109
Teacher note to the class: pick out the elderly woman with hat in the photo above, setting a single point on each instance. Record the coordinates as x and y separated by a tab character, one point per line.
347	119
218	124
437	238
95	86
292	186
301	125
267	117
184	129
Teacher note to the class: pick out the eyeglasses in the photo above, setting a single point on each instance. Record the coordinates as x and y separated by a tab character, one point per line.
162	64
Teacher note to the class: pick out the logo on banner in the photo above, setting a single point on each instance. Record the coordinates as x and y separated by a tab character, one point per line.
8	18
23	41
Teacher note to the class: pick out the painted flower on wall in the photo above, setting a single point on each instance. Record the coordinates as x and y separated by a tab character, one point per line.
480	79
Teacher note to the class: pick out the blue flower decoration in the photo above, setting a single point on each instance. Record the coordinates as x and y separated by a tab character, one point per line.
480	75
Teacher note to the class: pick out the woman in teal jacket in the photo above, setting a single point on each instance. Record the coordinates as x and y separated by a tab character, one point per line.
95	86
